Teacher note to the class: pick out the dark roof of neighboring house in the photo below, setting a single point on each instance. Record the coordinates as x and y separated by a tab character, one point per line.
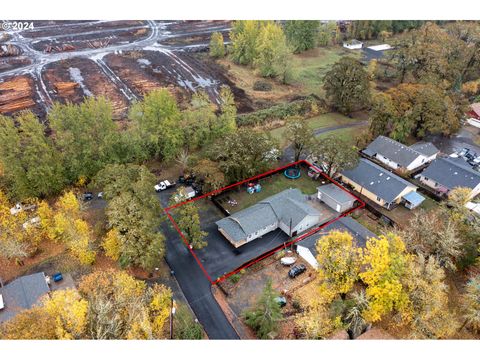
425	148
288	205
22	293
359	232
393	150
452	173
335	192
377	180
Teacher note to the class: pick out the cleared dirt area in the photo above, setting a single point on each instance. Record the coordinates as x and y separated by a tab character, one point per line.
121	60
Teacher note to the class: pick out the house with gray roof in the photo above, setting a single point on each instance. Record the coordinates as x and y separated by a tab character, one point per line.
398	156
335	197
445	174
380	185
287	210
21	294
307	248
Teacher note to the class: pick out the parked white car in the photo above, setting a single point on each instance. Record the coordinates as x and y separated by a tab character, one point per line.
287	261
163	185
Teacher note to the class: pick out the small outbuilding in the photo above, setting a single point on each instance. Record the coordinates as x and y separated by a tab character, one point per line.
335	197
353	44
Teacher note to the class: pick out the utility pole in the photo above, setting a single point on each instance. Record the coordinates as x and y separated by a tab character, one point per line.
172	312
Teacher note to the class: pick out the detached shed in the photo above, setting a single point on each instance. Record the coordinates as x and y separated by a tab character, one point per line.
335	197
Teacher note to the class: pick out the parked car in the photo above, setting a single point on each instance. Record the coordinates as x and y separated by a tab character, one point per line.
87	196
164	185
297	270
280	300
288	260
57	277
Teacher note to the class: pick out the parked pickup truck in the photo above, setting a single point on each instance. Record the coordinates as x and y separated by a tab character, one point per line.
164	185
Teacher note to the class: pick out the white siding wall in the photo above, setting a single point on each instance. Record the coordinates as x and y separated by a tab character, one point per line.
391	164
308	222
262	232
419	161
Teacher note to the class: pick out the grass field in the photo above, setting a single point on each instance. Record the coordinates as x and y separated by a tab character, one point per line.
308	70
270	186
347	134
310	67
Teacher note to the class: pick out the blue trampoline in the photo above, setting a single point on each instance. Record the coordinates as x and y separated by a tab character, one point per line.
292	173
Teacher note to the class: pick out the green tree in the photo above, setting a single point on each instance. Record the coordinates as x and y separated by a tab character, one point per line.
188	220
158	120
217	47
299	135
83	136
243	37
302	34
134	212
31	165
326	33
347	85
266	314
335	153
244	153
272	52
210	174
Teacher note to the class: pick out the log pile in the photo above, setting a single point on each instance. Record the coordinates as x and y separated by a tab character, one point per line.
65	88
58	48
97	44
15	94
9	50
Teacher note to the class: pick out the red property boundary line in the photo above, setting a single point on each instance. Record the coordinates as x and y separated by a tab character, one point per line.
271	252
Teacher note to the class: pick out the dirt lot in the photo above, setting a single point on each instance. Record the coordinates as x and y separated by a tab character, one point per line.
243	294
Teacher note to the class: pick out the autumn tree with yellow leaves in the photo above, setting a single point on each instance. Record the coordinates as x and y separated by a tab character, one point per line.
386	262
107	305
63	223
339	261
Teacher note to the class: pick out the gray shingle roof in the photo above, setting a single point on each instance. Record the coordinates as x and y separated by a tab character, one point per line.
335	192
22	293
359	232
377	180
393	150
425	148
288	205
452	173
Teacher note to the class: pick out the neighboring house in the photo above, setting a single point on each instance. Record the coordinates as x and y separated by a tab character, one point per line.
336	198
397	156
426	149
375	52
307	248
21	294
353	44
287	210
445	174
474	111
381	186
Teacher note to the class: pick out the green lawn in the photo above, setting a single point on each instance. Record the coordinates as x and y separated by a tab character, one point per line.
270	186
347	134
316	122
310	67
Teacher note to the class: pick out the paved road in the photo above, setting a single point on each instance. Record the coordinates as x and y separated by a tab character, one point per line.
194	284
289	154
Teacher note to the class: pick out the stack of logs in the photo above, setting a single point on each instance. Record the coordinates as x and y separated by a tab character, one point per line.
9	50
16	94
65	88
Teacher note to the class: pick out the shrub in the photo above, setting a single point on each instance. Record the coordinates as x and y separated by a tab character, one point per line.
261	85
235	278
300	107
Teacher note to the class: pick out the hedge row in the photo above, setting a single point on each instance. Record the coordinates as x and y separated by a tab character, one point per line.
298	107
